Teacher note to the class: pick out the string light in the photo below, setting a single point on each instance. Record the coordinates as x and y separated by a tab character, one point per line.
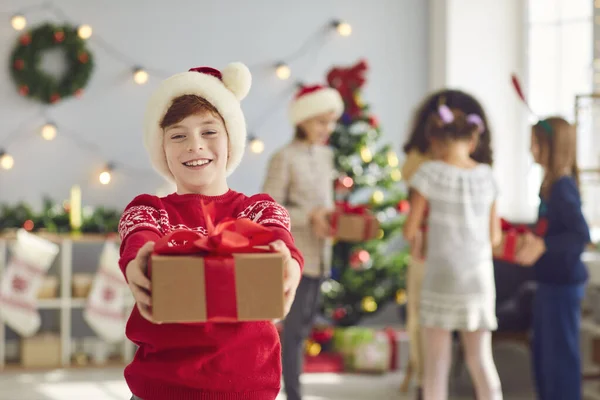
257	146
377	197
18	22
49	131
392	158
366	155
283	71
396	175
343	28
6	160
369	304
84	31
140	76
105	176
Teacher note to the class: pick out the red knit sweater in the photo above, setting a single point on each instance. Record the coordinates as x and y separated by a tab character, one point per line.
206	360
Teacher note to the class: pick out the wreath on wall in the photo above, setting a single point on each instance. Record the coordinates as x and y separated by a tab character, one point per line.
32	81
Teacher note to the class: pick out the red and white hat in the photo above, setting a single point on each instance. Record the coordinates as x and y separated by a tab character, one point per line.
223	89
313	100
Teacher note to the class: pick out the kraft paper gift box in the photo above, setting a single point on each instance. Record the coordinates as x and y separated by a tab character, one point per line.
353	224
227	276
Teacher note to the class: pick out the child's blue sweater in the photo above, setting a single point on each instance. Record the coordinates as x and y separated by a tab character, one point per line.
566	236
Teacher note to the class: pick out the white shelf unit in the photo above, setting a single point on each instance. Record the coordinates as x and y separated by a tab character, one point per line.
65	303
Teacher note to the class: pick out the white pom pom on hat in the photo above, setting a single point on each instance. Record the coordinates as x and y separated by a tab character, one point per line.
223	89
313	100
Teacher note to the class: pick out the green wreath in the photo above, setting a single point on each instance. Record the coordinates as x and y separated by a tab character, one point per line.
32	81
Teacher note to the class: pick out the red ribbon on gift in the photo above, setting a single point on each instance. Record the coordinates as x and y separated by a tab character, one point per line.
512	233
228	236
347	208
392	338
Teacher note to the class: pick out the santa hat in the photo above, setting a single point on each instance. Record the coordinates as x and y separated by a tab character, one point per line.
313	100
223	89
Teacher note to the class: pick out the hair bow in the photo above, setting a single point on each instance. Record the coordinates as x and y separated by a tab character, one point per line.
447	117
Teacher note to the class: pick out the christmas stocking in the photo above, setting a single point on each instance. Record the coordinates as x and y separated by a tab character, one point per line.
30	260
104	311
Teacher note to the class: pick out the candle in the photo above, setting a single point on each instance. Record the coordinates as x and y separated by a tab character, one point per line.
75	211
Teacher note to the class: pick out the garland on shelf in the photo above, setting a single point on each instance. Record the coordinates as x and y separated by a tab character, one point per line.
54	218
30	78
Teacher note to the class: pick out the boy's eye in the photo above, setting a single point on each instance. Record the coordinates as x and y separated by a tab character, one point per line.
177	136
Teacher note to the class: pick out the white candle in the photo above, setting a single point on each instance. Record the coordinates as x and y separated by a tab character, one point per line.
75	212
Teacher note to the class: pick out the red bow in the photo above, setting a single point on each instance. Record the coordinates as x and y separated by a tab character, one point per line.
347	208
347	81
228	236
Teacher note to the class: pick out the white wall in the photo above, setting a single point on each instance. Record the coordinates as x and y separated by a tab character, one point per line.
176	35
476	46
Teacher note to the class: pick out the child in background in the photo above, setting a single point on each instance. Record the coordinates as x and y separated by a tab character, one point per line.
458	289
556	257
195	134
300	176
419	149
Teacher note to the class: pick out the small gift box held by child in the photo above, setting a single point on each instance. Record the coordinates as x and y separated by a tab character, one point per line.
195	134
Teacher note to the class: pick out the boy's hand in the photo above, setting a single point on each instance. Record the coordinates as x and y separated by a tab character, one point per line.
291	278
136	273
532	250
319	218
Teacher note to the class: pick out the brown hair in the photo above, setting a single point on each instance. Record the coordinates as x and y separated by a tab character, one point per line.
300	133
558	151
456	100
186	105
458	129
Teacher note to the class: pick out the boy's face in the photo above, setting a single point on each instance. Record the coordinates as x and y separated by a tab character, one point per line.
319	128
197	151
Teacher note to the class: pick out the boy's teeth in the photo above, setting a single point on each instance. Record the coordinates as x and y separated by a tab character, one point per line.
196	163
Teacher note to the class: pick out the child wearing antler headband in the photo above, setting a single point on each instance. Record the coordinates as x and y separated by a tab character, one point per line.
458	289
419	149
195	134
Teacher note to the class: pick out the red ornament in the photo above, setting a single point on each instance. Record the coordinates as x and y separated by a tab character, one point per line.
19	284
25	39
403	206
83	58
24	90
19	64
78	93
373	121
339	313
59	36
359	258
322	336
54	98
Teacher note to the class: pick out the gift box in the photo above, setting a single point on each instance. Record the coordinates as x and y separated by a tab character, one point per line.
48	288
41	351
323	363
227	276
81	285
367	350
353	224
511	243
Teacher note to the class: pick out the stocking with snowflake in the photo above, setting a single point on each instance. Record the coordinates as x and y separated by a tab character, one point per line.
30	259
105	308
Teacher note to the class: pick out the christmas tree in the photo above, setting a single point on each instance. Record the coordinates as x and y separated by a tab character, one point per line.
368	275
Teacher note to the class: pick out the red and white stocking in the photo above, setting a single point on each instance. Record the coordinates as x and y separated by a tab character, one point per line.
105	308
30	260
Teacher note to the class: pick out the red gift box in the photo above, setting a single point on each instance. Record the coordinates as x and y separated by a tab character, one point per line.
512	241
353	224
229	275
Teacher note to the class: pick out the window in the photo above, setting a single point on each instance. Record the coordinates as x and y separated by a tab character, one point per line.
560	66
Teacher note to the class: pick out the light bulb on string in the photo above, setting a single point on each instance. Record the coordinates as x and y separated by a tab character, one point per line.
18	22
140	76
377	197
257	146
84	31
343	28
283	71
48	131
105	176
396	175
6	160
392	158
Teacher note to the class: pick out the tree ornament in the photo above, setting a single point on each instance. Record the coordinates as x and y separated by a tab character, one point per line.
312	349
373	121
369	304
359	258
403	206
26	60
401	296
339	313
